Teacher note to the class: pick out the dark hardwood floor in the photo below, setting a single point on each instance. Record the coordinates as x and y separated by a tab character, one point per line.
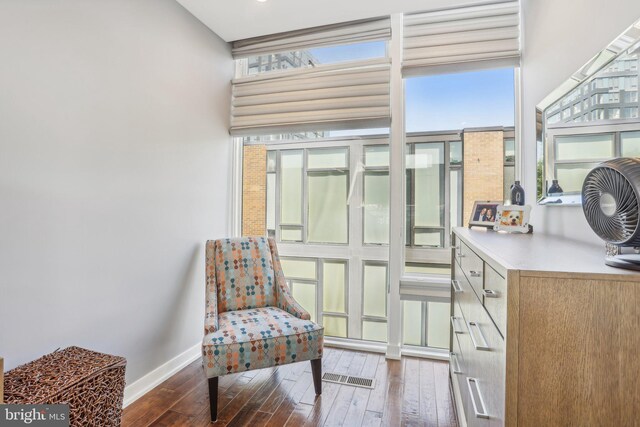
409	392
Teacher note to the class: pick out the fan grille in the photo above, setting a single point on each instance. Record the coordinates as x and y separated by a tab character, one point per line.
610	203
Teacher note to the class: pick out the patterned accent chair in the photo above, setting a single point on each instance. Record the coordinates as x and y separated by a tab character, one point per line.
252	321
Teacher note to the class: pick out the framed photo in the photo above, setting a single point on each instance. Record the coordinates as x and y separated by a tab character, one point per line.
484	214
514	219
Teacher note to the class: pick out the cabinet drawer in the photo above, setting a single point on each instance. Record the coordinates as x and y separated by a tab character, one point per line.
487	358
462	292
495	298
473	267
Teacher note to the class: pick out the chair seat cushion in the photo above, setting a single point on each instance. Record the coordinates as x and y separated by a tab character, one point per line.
259	338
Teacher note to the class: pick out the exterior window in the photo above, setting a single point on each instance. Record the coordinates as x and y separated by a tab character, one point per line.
509	166
374	302
425	184
311	57
291	188
376	195
315	197
328	184
303	282
426	323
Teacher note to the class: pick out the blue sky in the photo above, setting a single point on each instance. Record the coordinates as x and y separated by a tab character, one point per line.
447	101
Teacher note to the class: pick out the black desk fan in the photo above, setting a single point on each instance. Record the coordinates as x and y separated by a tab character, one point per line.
611	204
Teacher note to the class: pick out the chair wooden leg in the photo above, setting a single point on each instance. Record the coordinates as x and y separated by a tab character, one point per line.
316	370
213	398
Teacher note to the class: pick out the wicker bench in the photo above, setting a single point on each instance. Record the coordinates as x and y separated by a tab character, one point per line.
91	383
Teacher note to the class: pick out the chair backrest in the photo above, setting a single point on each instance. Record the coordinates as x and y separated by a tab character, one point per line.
244	274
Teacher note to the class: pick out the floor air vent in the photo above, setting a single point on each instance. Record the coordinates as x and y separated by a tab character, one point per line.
347	380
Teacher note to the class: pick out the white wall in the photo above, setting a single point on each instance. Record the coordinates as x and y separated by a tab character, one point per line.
114	161
559	37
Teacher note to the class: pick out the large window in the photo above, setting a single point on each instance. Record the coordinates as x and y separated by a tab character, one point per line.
327	205
321	185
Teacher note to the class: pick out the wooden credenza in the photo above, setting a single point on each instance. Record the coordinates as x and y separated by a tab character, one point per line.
543	333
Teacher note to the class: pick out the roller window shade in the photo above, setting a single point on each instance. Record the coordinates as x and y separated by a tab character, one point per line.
471	34
345	96
345	33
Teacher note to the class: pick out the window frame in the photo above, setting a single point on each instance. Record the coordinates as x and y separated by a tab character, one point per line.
422	254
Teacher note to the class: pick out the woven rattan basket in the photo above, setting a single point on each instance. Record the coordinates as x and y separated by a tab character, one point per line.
91	383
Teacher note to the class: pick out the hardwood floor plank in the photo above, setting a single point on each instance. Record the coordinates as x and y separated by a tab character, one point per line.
259	419
337	413
372	419
340	366
193	402
378	395
249	409
409	420
291	400
299	415
393	404
411	392
172	419
358	406
444	395
148	408
324	403
248	391
284	396
428	406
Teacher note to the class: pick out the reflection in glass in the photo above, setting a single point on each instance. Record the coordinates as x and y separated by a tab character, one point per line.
630	144
571	176
584	147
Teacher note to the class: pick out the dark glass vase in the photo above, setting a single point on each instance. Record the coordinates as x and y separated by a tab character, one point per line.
555	187
517	194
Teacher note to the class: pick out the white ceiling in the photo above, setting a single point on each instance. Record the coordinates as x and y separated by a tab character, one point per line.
241	19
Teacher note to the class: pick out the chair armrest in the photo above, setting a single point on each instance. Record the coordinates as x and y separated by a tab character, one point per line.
284	299
290	305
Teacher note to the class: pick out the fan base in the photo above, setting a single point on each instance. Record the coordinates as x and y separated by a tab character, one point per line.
627	261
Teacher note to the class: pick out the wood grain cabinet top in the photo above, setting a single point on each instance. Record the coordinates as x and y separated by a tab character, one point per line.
571	327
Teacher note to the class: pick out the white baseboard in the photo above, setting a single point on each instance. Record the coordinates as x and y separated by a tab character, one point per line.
139	388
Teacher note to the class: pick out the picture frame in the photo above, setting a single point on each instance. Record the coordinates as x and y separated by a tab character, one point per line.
513	219
484	214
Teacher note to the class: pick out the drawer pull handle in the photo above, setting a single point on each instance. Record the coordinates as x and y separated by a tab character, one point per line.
456	286
460	255
488	293
475	273
483	342
482	412
454	321
455	363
